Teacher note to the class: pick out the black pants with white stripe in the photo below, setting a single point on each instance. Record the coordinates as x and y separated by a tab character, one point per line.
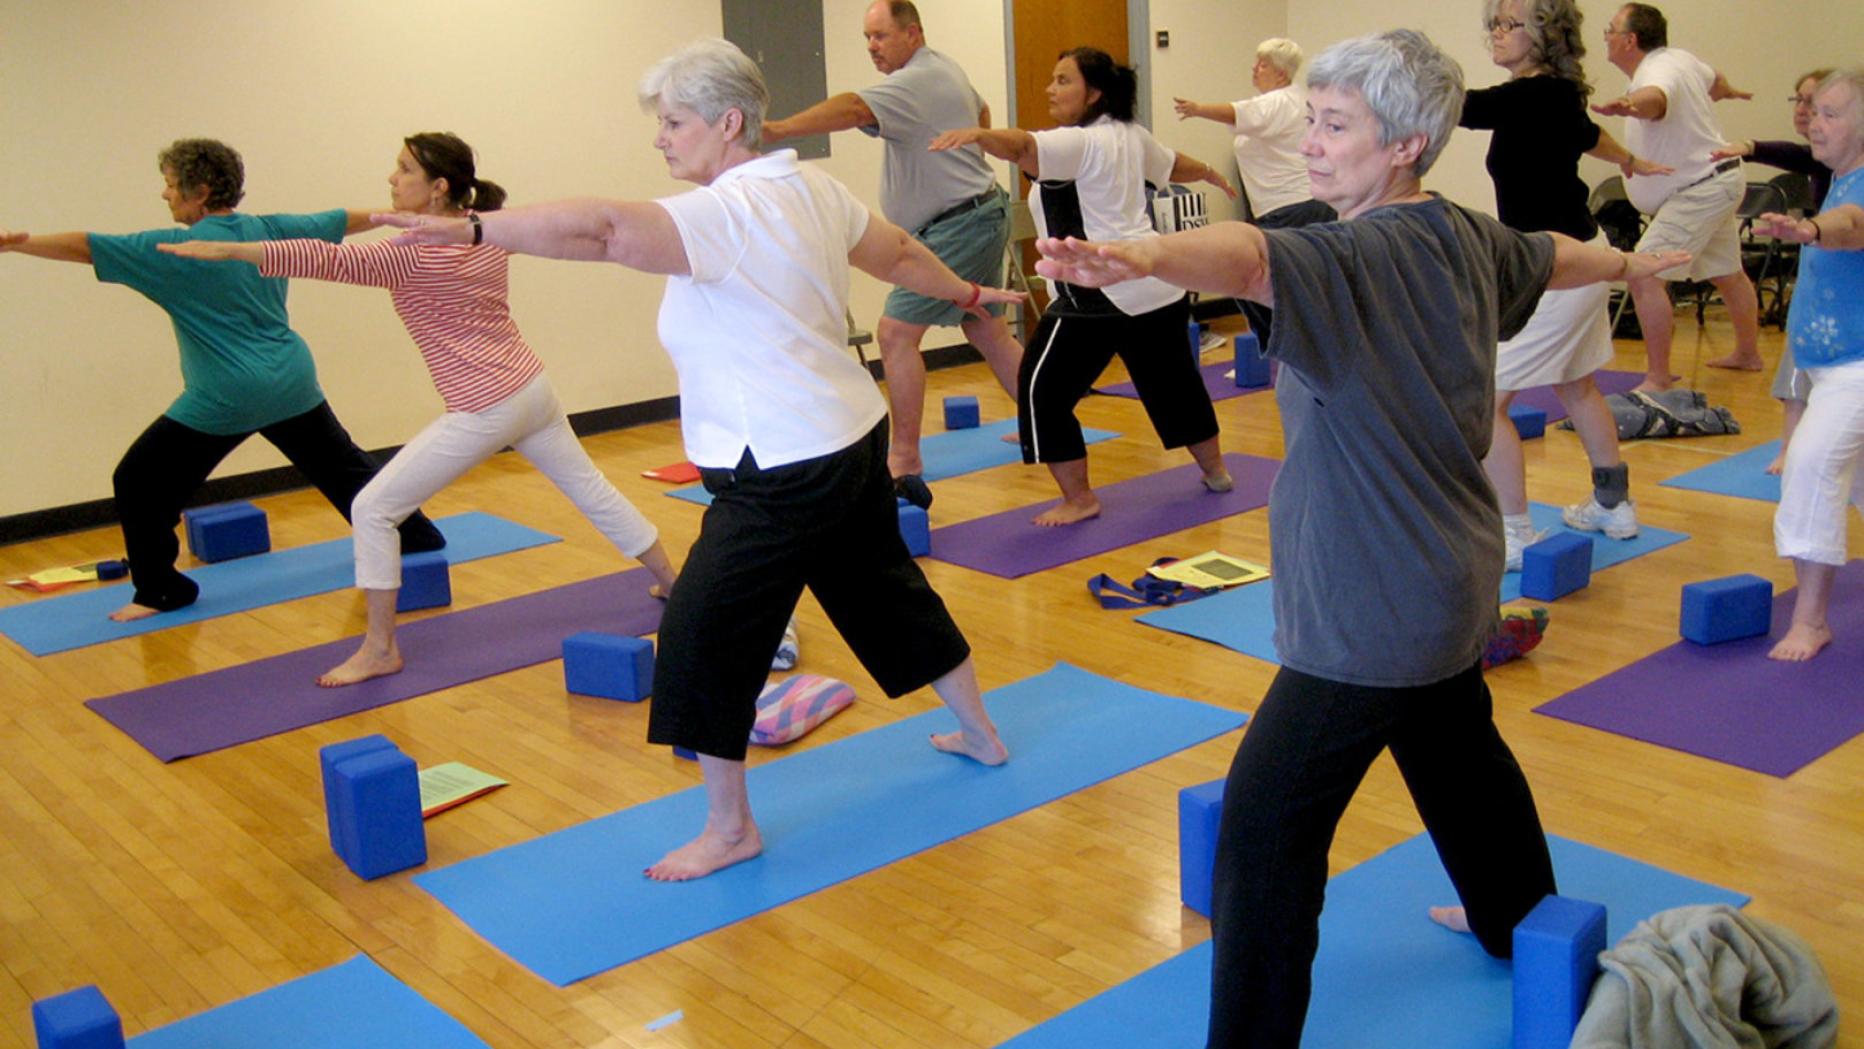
1067	354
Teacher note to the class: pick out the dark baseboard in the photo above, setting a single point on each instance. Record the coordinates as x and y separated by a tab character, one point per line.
39	524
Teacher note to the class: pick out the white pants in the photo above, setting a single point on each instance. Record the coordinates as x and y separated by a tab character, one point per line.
1819	479
531	421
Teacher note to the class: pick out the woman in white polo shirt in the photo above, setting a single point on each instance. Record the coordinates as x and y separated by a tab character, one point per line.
1269	129
789	432
1091	174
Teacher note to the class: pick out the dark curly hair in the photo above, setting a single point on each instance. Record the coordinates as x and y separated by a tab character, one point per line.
442	154
206	163
1118	85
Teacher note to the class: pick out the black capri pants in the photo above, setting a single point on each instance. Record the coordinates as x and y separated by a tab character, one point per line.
830	524
1066	355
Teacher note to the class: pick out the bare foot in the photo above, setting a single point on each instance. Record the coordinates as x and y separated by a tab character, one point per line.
362	666
1738	363
1778	464
1067	513
1802	642
1013	437
989	751
659	591
1652	386
131	612
1220	482
1453	918
710	851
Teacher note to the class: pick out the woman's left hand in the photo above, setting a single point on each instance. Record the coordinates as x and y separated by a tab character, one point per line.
1641	264
1216	179
425	229
9	238
1785	227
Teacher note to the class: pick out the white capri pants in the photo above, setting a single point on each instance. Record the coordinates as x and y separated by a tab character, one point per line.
531	421
1818	483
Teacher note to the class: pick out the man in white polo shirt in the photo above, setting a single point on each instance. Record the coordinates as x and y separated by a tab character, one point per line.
949	201
1669	104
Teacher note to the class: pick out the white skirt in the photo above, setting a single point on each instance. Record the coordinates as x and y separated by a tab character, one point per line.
1568	338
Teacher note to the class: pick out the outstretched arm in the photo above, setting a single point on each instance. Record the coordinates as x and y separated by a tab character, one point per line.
639	236
1840	229
1612	152
1646	103
886	251
1191	169
59	247
1008	143
1224	258
1576	263
843	112
218	250
1221	112
1721	90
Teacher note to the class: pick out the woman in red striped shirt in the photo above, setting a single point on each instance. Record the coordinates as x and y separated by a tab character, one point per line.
453	299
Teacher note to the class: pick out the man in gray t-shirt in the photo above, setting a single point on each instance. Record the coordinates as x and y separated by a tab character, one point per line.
948	200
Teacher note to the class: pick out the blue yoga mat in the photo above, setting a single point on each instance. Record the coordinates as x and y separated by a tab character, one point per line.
1385	976
1744	475
355	1005
947	454
55	624
573	903
1243	619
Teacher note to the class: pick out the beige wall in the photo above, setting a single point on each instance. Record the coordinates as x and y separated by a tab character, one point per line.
317	96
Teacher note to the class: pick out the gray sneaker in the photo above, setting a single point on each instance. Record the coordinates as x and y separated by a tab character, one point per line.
1514	541
1620	522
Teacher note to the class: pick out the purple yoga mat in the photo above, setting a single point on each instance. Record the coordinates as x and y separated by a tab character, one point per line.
1008	545
1544	399
207	712
1216	383
1730	702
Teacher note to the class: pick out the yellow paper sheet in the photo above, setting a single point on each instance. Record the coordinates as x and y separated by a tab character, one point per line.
450	784
1209	569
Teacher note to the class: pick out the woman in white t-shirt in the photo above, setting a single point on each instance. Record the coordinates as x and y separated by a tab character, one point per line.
1269	129
788	431
1091	174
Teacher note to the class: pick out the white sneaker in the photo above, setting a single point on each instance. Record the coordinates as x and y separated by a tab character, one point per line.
1517	540
789	650
1620	522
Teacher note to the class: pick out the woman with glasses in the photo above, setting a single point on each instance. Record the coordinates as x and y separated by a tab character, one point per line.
1790	385
1541	129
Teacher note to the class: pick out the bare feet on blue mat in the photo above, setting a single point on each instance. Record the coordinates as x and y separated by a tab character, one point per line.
713	850
1069	512
1802	642
1452	918
131	612
1778	464
983	750
1013	437
362	666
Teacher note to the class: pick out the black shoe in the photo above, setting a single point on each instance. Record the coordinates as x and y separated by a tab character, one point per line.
912	488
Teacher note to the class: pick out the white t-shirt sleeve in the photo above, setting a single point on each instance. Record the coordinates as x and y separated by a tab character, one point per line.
855	215
1253	115
1156	161
709	232
1061	153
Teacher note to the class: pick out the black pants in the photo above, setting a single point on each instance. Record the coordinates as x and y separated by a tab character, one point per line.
1067	354
830	524
1290	216
167	464
1306	750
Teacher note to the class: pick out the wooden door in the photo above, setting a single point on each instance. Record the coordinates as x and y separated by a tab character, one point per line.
1044	29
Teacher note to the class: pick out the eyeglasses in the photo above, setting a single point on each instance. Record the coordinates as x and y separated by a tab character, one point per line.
1801	101
1506	25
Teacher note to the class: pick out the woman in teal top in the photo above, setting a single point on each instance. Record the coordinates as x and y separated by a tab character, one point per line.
243	369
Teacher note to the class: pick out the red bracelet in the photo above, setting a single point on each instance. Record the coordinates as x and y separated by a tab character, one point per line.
976	294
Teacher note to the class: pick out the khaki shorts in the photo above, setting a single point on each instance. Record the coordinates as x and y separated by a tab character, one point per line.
1700	219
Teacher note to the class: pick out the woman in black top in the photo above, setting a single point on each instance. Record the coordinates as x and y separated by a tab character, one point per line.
1541	129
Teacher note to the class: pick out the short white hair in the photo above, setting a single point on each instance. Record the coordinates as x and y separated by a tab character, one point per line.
1283	54
1410	85
1853	78
710	76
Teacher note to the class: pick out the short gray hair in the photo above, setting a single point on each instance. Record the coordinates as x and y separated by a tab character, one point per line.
1410	85
1854	77
710	76
1283	54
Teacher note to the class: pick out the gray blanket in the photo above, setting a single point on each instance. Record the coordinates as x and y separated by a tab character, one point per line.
1709	978
1670	413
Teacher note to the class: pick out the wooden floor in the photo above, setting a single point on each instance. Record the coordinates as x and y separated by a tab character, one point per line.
181	887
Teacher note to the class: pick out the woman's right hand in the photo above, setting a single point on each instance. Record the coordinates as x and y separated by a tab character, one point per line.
956	138
210	250
425	229
9	238
1184	107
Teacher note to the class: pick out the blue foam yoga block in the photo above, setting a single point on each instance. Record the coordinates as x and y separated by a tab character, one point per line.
612	666
916	529
226	531
1727	609
426	582
961	413
682	752
1200	810
80	1019
1528	422
328	757
1556	566
1556	959
376	801
1252	368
